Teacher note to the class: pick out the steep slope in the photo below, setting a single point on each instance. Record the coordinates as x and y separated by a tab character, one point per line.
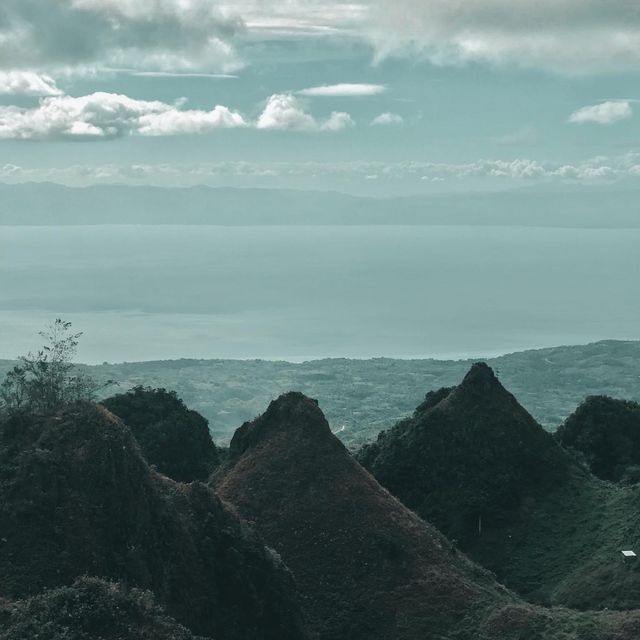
468	458
473	461
174	439
607	432
90	609
366	566
77	498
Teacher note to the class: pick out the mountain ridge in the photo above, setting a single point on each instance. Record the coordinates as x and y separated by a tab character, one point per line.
47	203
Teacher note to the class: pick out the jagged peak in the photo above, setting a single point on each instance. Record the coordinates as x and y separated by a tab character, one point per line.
481	385
293	412
480	373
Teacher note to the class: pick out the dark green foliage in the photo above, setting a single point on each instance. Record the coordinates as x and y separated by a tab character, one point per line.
77	498
368	568
468	457
90	609
47	379
550	530
173	438
607	433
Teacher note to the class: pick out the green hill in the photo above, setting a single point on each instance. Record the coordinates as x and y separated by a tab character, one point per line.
475	463
366	566
606	432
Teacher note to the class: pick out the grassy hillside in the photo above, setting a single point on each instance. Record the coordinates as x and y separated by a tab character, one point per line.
363	397
473	462
365	566
566	549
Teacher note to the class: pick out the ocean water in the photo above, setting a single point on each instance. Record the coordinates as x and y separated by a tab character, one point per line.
295	293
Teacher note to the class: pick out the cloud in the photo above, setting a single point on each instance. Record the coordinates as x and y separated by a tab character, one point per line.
27	83
566	36
402	174
603	113
300	18
386	119
338	121
104	116
344	90
173	121
284	111
158	34
181	74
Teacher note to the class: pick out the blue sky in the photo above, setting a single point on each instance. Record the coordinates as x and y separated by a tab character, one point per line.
380	97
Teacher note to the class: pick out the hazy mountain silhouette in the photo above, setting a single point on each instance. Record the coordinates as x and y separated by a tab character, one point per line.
53	204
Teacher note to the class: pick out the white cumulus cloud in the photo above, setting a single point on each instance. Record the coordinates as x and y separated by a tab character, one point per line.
284	111
603	113
337	121
386	119
27	83
106	116
343	90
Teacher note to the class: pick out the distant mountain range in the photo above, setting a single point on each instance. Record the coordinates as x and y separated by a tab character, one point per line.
571	207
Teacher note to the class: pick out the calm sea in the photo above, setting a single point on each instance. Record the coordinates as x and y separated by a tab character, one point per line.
144	292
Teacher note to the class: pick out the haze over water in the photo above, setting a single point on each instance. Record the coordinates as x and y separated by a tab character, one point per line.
145	292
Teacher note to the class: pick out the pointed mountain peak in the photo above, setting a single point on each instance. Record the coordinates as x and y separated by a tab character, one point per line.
292	413
481	387
481	376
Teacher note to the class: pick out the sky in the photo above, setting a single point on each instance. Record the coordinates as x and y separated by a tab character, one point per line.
381	97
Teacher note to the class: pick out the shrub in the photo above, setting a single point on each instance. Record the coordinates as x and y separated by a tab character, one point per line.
48	378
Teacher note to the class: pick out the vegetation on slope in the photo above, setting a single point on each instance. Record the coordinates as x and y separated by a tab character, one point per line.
472	456
460	475
366	566
77	498
90	609
174	439
607	433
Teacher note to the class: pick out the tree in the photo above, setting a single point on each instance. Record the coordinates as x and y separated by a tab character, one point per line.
48	378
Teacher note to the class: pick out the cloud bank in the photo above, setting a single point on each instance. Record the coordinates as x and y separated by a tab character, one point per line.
566	36
159	34
106	116
520	170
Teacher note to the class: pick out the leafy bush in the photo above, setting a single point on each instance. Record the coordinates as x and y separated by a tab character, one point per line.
48	378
